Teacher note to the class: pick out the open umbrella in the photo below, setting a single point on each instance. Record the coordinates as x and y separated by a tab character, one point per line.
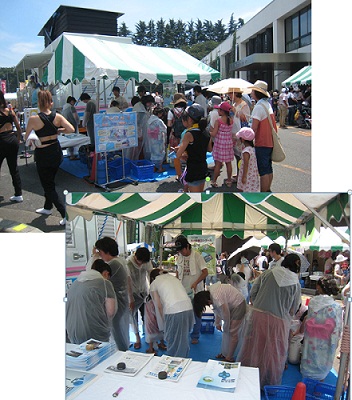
251	247
230	85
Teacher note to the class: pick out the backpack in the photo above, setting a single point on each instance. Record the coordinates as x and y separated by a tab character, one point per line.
177	126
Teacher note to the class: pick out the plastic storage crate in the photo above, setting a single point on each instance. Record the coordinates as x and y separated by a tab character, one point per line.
115	169
207	324
142	169
282	392
319	390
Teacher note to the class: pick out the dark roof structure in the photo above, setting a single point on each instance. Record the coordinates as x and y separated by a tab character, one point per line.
79	20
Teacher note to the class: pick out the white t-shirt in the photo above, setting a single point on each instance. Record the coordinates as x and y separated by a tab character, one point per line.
274	263
172	294
184	271
260	261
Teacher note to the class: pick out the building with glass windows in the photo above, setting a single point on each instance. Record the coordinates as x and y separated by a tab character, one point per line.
271	46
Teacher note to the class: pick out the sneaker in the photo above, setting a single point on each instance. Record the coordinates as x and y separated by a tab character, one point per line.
17	199
43	211
63	221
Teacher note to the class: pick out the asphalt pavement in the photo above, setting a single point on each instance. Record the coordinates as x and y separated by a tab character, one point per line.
292	175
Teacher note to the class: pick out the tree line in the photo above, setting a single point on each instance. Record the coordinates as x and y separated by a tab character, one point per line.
188	36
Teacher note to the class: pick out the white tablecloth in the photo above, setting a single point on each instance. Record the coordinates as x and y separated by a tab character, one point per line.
73	140
139	387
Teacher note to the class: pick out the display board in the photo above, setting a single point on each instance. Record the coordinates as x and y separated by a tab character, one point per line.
115	131
205	245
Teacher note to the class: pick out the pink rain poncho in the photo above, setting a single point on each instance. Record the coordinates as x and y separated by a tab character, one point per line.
276	296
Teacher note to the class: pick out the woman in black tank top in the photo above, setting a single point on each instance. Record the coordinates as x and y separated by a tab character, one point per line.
9	145
48	156
196	143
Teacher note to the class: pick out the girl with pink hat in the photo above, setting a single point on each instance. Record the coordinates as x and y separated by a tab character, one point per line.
248	176
223	143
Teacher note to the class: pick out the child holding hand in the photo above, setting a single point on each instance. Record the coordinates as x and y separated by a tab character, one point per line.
248	176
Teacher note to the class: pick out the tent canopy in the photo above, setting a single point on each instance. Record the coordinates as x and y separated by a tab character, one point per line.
241	214
302	77
83	56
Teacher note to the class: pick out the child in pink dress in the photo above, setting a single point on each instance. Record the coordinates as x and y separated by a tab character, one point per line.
223	143
248	176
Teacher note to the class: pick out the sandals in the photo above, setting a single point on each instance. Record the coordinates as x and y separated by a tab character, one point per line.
137	345
162	346
152	351
220	356
213	184
228	183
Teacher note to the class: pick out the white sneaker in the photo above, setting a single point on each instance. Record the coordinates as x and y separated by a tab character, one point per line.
63	222
17	199
43	211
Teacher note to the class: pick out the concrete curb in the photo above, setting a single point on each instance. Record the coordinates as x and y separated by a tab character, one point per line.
15	227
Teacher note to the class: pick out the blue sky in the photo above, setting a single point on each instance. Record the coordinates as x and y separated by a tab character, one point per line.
22	21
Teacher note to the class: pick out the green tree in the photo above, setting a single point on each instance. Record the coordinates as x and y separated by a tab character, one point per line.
219	31
208	30
191	34
141	32
231	28
151	33
180	37
124	31
170	29
200	37
200	50
160	33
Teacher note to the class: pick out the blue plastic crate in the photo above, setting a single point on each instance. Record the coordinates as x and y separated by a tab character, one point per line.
115	169
207	323
282	392
142	169
319	390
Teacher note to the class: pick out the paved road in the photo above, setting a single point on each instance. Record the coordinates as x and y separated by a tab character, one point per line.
292	175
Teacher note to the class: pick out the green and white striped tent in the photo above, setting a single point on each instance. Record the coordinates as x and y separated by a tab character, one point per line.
241	214
83	56
302	77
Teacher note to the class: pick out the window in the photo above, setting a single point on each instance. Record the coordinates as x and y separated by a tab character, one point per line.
298	29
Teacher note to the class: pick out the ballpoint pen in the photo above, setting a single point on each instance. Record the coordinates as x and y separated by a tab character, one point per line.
118	391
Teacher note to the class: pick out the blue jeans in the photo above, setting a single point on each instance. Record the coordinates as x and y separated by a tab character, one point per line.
196	327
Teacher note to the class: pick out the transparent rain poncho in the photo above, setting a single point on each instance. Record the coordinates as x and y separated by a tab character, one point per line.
322	332
86	315
276	296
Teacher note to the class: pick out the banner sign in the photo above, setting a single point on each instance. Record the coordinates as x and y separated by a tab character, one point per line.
115	131
205	245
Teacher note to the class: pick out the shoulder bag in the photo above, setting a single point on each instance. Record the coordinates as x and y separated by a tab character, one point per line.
278	153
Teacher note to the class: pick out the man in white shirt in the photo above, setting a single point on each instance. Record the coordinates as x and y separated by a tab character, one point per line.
262	262
200	99
275	254
191	271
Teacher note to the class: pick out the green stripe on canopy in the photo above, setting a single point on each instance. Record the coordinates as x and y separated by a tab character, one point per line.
303	76
78	65
59	61
165	77
126	75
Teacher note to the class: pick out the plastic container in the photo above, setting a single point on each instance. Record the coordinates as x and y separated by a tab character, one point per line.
207	324
115	169
282	392
319	390
101	172
142	169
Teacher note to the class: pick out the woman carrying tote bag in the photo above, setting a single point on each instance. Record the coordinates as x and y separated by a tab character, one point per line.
263	133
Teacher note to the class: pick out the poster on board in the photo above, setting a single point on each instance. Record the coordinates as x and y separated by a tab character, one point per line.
115	131
205	245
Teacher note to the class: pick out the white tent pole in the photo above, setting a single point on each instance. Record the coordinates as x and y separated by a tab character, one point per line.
325	222
98	95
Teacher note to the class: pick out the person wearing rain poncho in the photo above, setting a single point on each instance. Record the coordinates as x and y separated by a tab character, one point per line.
91	304
108	250
174	313
230	308
322	330
139	267
276	296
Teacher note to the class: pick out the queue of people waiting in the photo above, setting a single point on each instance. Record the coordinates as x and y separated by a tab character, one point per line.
257	305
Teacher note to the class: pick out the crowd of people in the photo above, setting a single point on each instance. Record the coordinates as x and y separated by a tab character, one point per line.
257	305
